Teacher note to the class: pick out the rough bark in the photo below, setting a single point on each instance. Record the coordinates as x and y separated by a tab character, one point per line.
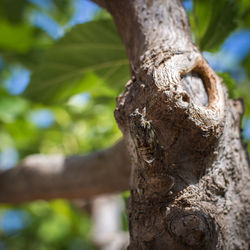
50	177
190	173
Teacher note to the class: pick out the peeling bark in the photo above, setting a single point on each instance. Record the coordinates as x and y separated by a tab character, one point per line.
190	172
50	177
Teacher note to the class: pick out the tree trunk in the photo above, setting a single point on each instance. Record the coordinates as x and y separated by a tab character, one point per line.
190	173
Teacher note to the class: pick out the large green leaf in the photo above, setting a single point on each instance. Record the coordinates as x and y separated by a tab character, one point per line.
89	47
17	37
199	18
13	10
212	21
245	13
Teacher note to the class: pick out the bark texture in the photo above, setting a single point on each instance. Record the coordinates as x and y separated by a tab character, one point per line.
51	177
190	172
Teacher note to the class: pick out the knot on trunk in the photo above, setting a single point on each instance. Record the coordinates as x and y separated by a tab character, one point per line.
191	227
174	104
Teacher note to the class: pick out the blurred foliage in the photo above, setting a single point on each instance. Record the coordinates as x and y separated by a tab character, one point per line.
213	21
125	197
47	226
246	64
229	81
89	47
17	38
12	10
78	78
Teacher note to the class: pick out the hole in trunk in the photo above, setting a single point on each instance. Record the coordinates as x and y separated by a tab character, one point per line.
195	87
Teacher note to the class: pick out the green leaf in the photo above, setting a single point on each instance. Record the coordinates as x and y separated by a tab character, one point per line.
62	5
244	6
24	134
62	11
11	107
246	65
242	91
230	82
12	9
90	47
245	21
213	21
17	38
198	21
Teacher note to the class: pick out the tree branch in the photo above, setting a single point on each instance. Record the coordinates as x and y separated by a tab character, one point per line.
50	177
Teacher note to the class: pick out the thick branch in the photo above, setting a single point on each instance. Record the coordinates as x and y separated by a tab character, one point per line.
49	177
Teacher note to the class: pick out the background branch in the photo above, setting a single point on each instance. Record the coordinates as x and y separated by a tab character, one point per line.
50	177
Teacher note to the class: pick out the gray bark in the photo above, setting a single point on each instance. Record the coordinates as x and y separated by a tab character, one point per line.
190	172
